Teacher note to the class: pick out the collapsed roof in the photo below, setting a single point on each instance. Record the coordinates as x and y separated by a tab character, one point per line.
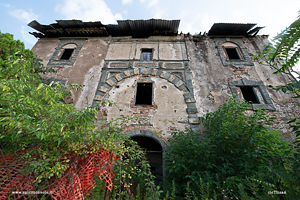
233	29
134	28
78	28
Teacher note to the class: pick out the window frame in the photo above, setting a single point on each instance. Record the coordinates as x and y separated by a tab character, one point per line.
240	47
146	51
76	44
238	52
136	94
70	58
268	104
254	94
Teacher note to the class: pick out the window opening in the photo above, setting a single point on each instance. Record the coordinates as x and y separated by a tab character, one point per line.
66	55
147	54
232	53
144	94
249	94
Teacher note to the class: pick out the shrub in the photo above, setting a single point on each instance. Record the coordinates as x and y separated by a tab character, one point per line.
236	155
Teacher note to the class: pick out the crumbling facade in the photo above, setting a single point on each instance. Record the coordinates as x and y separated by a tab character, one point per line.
167	79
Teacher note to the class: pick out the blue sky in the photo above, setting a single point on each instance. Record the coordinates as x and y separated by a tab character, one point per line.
195	15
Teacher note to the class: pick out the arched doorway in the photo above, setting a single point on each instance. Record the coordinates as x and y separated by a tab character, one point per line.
154	155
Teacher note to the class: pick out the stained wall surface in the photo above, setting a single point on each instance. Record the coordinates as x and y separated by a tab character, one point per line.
191	76
166	113
85	70
213	80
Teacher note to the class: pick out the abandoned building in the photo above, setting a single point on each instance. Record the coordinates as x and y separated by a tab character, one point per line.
165	78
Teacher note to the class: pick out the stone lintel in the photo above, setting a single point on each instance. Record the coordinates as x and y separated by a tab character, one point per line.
136	71
103	89
194	121
163	74
110	82
98	97
190	100
118	77
179	83
145	70
127	73
154	72
172	78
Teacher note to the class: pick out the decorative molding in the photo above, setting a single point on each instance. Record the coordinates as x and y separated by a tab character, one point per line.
181	84
118	65
79	42
236	62
145	64
173	65
233	85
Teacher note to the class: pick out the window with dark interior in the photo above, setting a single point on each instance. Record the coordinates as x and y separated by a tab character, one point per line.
232	53
249	94
66	55
147	54
144	94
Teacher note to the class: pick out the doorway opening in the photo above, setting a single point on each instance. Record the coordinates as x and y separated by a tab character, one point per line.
154	155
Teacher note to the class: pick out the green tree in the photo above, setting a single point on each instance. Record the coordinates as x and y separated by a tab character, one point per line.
282	54
35	115
236	154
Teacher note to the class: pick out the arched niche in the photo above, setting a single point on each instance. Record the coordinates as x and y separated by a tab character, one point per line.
107	83
154	151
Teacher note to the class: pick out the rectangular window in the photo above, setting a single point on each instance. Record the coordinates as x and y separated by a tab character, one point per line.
249	94
232	53
66	55
147	54
144	94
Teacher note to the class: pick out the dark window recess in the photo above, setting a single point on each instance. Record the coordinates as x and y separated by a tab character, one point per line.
232	53
249	94
147	54
144	94
66	55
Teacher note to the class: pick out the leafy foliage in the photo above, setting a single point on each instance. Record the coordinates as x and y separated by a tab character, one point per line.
133	178
284	52
236	153
37	116
283	55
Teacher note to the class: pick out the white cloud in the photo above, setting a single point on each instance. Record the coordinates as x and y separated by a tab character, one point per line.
142	1
93	10
160	13
153	2
23	15
196	23
29	40
127	1
207	21
6	5
118	16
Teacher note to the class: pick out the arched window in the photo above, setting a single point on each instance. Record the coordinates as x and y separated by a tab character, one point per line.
232	51
66	52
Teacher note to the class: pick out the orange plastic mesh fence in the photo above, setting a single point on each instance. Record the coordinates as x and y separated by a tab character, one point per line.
16	181
75	184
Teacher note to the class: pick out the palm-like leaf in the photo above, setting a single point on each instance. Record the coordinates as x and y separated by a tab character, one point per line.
285	50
